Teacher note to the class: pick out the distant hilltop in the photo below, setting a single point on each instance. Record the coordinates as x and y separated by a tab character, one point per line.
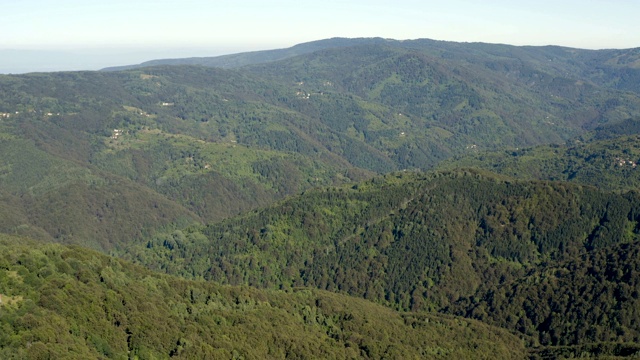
257	57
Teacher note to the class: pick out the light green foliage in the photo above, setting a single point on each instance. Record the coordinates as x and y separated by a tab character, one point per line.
602	158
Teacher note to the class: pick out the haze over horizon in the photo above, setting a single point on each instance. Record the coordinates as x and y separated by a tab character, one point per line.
47	35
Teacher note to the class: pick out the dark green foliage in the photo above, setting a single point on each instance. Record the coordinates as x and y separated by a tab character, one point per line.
592	298
98	159
611	68
73	303
436	236
47	197
464	242
453	97
590	351
609	131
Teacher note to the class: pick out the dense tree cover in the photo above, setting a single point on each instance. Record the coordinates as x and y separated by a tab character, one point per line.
124	161
611	68
78	166
485	97
47	197
603	158
591	298
73	303
416	241
609	131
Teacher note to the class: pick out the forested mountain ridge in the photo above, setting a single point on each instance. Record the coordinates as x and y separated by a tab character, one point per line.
452	104
74	303
248	58
47	197
411	241
455	97
616	68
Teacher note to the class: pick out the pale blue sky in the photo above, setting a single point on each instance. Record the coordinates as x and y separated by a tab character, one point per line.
163	28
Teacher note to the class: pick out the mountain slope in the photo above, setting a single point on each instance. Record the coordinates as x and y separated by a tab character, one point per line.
119	161
613	68
97	159
74	303
413	241
248	58
432	235
592	298
602	158
440	98
401	104
211	143
55	199
445	105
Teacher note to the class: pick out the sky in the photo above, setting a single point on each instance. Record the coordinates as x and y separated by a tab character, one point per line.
52	35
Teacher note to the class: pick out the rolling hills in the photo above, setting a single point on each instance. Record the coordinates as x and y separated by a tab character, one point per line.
210	143
71	130
614	68
291	190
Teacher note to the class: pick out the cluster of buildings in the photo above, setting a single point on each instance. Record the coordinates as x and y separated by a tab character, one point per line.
623	162
7	115
116	133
